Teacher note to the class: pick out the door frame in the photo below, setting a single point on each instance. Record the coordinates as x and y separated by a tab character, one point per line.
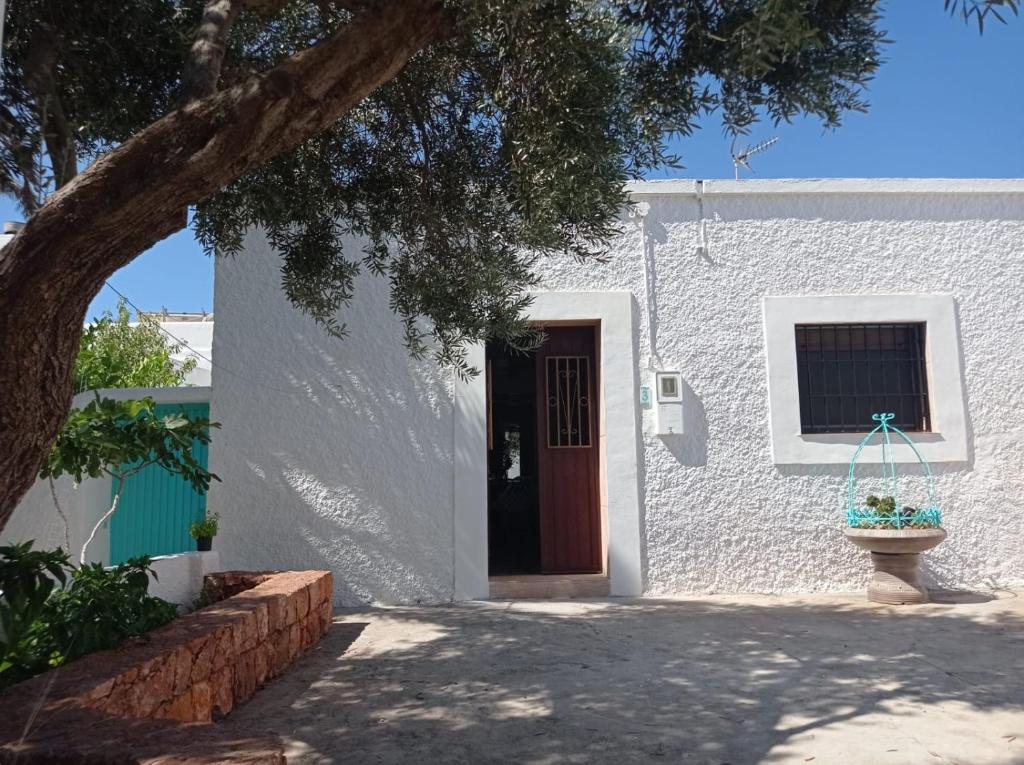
619	418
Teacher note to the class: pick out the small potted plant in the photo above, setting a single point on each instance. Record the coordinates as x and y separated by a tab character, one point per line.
204	531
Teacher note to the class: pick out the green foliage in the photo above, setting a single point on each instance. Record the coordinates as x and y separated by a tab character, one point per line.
27	579
979	10
115	354
881	504
206	528
95	608
102	607
106	436
884	515
508	140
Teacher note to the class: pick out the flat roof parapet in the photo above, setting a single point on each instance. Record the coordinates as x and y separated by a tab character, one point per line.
728	187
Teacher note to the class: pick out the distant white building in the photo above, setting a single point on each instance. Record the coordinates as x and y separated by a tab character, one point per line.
194	332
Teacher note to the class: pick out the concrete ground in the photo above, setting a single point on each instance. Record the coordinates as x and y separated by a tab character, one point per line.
822	679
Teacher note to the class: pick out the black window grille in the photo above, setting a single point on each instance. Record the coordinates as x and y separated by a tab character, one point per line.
568	396
847	372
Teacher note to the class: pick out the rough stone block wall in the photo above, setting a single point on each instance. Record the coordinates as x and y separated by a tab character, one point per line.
195	669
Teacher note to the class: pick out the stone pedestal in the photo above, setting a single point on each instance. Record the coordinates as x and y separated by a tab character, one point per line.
896	555
897	579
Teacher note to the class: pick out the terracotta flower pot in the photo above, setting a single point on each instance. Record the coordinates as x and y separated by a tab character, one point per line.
896	555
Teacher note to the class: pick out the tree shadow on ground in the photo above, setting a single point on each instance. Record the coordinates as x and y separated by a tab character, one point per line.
702	681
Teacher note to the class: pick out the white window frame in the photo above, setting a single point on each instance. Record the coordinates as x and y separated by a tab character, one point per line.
946	442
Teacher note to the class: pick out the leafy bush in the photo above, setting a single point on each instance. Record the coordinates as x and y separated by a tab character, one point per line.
205	528
96	609
104	435
122	438
115	354
27	579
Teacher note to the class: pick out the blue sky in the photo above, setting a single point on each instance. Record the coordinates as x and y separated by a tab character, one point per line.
947	102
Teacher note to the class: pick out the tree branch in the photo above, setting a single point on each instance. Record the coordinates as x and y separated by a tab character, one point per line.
40	62
113	508
15	136
135	195
206	56
63	516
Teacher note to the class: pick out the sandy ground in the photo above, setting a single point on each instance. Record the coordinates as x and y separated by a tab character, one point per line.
809	679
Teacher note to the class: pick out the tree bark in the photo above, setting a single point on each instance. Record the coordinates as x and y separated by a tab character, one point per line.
135	196
206	57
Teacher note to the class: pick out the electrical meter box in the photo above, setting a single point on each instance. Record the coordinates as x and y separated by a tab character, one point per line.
669	409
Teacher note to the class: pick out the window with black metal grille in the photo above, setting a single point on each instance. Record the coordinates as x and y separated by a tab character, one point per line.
847	372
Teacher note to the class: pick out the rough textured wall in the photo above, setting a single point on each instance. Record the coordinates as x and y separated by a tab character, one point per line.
337	454
334	454
36	517
718	514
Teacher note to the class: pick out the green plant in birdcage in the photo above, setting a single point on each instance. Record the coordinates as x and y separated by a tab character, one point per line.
895	534
885	512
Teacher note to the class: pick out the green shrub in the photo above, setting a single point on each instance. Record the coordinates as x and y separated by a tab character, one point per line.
27	579
114	354
96	609
205	528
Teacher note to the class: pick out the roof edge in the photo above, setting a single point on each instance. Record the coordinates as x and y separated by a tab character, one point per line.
724	187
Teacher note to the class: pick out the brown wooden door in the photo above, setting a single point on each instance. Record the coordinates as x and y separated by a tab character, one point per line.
567	447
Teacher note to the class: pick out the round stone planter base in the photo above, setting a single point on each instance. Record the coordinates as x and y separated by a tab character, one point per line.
897	579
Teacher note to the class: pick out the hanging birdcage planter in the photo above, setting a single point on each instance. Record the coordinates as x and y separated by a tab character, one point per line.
895	533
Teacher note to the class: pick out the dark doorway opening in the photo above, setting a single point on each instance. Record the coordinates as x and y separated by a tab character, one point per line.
542	456
513	510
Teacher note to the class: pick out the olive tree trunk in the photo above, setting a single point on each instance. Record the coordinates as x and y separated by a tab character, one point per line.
138	194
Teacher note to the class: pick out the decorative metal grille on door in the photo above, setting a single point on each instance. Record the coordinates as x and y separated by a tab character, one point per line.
568	397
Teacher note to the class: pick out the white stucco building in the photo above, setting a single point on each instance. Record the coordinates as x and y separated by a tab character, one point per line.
412	486
193	333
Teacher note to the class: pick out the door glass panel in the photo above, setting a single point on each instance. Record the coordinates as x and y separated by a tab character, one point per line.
513	513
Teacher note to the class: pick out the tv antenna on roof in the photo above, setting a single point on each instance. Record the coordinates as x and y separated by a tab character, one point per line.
743	156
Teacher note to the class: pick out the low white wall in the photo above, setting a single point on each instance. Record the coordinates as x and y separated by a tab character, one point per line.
180	577
37	518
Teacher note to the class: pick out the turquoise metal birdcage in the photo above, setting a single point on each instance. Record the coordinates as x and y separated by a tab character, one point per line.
887	512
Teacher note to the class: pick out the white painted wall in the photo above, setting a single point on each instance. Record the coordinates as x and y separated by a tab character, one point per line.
338	454
334	454
180	577
196	336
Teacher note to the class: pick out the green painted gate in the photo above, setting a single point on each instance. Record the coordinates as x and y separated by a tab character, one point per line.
156	507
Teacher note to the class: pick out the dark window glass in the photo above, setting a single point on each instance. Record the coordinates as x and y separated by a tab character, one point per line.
847	372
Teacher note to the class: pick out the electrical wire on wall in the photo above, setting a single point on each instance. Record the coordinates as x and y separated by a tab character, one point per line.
702	224
639	212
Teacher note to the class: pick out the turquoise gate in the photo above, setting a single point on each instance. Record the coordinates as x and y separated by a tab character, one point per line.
157	507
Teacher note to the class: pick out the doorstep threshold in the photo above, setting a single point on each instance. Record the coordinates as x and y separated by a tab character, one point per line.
524	586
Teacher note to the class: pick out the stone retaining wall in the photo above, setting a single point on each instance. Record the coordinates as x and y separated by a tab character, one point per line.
197	668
